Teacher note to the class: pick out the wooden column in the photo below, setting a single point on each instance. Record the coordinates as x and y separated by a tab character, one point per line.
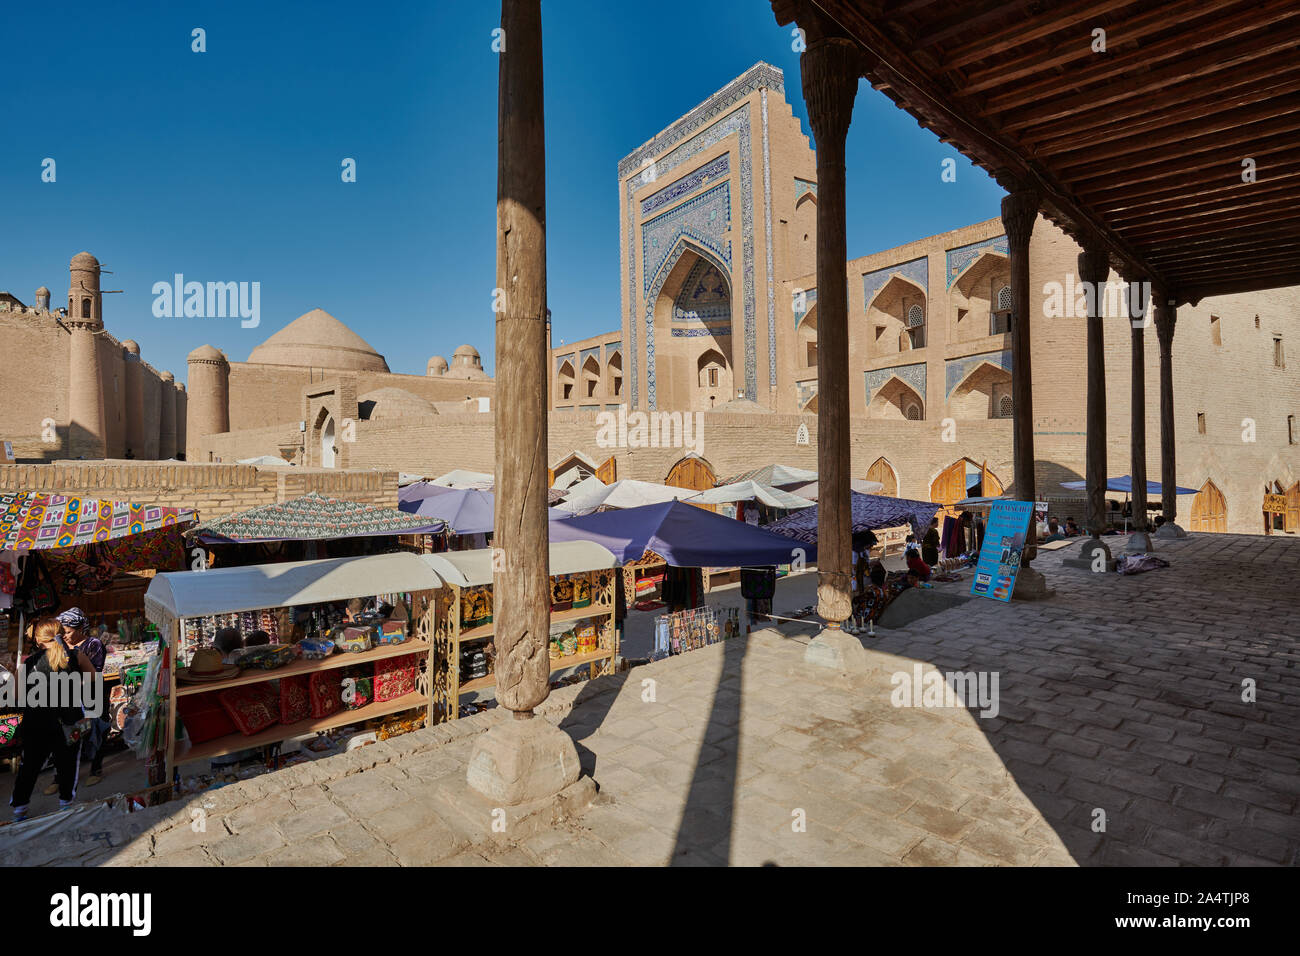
1094	267
1019	210
1139	319
831	67
1166	317
521	578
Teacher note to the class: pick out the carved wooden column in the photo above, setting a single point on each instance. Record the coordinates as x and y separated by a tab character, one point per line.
522	760
1094	267
1166	317
1139	312
831	67
1019	210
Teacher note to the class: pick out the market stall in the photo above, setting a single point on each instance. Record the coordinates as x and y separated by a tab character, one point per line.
583	630
755	504
290	690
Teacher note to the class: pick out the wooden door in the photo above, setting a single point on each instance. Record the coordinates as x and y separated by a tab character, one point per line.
695	473
950	486
989	482
608	472
883	472
1209	509
1292	519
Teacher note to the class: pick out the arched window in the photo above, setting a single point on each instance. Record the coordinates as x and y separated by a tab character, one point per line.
1000	319
913	413
1004	407
1004	299
915	317
85	308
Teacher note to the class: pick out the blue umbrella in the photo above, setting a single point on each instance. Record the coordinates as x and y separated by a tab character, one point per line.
465	510
1124	483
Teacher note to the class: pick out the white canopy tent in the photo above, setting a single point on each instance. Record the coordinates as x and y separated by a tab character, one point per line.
751	491
473	568
460	478
625	493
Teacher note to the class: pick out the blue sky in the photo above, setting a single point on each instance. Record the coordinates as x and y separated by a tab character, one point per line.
225	165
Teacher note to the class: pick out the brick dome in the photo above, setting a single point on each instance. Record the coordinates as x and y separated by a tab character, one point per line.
319	340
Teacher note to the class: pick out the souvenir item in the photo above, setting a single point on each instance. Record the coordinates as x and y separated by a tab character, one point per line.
586	634
395	677
476	606
473	664
315	649
352	640
325	693
267	657
570	643
253	707
561	593
581	591
204	717
295	699
358	686
391	632
206	665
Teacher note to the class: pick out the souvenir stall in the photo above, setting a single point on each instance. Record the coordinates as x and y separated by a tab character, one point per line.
582	620
61	551
371	674
753	500
468	515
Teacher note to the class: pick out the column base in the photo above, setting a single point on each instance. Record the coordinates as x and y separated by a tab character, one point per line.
1088	559
519	761
836	649
1031	586
1139	542
1170	530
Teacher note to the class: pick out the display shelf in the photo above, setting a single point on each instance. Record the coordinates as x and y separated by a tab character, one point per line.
301	666
232	743
573	614
559	664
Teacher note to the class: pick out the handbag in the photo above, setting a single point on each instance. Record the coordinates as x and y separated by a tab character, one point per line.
72	733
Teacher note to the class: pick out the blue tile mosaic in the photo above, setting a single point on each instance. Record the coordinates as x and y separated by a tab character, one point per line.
809	300
687	184
913	375
962	256
918	271
771	281
954	370
802	186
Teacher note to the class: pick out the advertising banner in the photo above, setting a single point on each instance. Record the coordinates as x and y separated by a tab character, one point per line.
1004	544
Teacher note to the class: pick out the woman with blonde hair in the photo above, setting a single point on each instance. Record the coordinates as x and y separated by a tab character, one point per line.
42	726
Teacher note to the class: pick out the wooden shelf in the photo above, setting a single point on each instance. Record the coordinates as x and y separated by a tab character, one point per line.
300	666
557	617
278	732
559	664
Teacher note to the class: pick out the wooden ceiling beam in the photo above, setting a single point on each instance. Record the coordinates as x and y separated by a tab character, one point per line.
1183	194
1198	225
1100	70
996	42
1173	172
1170	85
1248	195
1279	253
1196	293
1236	238
1121	32
972	17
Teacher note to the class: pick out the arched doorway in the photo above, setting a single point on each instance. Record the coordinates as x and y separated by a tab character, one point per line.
963	479
695	473
883	472
1292	523
1209	509
327	443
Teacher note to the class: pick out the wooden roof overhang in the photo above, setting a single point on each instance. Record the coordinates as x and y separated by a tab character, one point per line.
1140	147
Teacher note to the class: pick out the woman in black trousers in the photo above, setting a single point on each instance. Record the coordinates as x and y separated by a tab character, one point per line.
42	727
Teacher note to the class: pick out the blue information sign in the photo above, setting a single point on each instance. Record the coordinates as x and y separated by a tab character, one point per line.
1004	544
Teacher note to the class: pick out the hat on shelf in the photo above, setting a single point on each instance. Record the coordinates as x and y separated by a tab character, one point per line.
207	664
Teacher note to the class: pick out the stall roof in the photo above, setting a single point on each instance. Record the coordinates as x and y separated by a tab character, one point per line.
776	476
1124	484
470	568
180	594
36	520
869	513
313	517
749	491
625	493
463	510
683	535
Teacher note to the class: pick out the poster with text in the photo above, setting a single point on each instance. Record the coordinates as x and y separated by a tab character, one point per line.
1004	545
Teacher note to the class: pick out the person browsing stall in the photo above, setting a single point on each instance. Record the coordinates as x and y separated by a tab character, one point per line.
75	631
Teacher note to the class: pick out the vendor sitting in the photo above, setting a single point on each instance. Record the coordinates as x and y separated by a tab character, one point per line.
915	564
1054	532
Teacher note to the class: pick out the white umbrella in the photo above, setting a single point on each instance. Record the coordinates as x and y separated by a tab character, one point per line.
860	485
460	478
626	493
749	491
263	460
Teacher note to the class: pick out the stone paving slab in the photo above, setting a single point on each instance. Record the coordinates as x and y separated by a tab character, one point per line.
1121	737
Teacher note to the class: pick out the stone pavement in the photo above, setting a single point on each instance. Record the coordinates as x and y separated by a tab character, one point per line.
1121	737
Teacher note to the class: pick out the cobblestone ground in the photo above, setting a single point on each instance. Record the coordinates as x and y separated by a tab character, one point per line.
1120	702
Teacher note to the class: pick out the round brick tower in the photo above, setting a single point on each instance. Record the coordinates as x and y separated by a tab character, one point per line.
134	374
86	431
182	410
167	418
209	397
43	298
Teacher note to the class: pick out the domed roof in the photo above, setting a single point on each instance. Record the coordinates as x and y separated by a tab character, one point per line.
167	377
132	346
392	403
318	339
466	350
205	353
437	365
84	260
42	291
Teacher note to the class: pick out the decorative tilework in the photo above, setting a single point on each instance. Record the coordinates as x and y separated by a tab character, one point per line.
913	375
809	300
561	359
704	295
802	186
612	349
918	271
719	331
586	353
771	282
706	220
962	256
687	184
954	370
705	126
804	391
588	408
